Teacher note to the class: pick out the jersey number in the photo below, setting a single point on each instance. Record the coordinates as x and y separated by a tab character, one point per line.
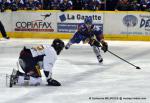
38	48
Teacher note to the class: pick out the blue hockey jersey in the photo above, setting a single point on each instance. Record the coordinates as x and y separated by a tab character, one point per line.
83	33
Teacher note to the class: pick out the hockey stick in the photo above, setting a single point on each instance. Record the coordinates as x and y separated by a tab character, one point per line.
96	43
137	67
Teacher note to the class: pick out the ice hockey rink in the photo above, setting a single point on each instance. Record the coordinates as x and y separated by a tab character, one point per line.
83	79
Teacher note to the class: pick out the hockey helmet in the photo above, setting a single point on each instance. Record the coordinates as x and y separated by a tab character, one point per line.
88	20
58	45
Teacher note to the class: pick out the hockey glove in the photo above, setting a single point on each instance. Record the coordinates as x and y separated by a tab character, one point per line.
94	42
67	46
104	46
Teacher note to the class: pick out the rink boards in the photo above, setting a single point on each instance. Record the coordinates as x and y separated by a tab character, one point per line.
115	25
68	36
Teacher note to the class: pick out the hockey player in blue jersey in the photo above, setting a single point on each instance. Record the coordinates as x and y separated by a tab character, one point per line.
88	33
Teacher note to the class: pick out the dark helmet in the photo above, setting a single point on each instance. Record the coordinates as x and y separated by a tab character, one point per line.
58	45
88	20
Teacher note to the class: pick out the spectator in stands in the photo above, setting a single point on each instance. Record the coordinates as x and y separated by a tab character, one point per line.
17	5
39	4
2	8
55	4
31	5
77	5
24	1
123	5
65	5
4	5
85	4
134	5
144	4
94	5
70	1
46	4
111	4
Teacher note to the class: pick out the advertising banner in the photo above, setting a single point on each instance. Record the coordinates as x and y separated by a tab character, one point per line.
141	24
67	21
113	23
127	23
34	22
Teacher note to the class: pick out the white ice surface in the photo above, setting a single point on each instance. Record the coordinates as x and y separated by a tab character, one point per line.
81	75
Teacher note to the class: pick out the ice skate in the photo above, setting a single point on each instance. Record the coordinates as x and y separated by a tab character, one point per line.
52	82
100	59
13	78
